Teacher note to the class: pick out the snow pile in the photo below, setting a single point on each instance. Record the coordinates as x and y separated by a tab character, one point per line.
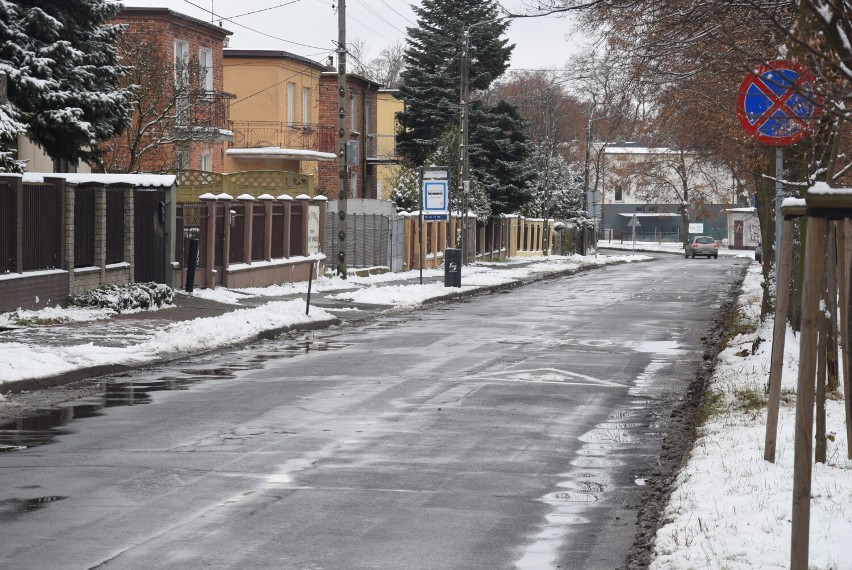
19	361
731	509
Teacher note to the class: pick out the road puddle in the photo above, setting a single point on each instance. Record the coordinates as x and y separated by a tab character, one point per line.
43	426
10	508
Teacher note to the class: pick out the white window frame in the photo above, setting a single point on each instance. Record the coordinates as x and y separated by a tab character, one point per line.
291	103
182	159
181	67
306	105
207	161
205	68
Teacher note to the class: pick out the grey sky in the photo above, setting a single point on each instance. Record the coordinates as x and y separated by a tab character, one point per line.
309	27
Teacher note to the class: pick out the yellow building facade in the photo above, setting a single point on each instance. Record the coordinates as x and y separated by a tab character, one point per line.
275	116
388	105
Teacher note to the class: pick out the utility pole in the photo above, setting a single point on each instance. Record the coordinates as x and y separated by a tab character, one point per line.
342	169
550	134
464	178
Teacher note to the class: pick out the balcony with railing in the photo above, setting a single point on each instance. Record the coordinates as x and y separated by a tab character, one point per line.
381	149
296	136
207	112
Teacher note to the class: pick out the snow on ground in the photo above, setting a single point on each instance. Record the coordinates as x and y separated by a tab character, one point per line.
731	509
20	361
668	247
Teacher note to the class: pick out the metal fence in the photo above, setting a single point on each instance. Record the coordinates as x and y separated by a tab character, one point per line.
372	240
41	224
8	219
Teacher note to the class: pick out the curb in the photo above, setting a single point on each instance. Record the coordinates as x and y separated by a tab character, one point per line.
76	375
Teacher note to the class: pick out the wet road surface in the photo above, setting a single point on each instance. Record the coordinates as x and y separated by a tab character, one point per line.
514	430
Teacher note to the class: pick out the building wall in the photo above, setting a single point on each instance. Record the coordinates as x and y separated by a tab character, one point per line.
37	160
162	27
387	107
249	74
362	175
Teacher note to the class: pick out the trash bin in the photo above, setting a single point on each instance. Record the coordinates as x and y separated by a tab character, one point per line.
452	267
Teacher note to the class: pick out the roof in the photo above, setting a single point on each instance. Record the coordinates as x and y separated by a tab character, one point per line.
166	13
146	180
272	54
649	215
638	150
366	80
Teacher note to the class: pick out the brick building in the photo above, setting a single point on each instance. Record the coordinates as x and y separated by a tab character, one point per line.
361	119
178	61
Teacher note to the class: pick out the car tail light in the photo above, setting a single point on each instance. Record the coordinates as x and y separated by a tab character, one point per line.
715	245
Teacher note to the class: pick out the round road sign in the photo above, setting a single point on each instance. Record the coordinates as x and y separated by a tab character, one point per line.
777	104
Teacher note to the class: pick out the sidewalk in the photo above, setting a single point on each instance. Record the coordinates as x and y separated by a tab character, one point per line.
85	343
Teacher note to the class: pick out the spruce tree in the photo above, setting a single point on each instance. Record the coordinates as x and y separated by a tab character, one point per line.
499	153
431	79
63	71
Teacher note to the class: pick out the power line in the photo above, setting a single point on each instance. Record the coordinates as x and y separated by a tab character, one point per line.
263	10
379	16
252	29
398	13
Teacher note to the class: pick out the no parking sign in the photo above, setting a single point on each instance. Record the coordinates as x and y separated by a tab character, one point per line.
777	104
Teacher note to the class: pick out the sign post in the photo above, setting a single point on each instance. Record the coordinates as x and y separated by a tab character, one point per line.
777	106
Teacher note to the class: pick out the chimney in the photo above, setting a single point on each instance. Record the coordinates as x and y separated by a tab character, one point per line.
330	64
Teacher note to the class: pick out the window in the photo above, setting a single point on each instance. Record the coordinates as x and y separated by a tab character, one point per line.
306	105
181	159
207	161
181	82
618	194
353	117
291	103
205	68
181	63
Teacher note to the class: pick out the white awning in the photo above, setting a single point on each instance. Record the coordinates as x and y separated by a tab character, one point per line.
278	152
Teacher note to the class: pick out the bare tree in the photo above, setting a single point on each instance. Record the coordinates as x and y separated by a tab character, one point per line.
384	68
171	108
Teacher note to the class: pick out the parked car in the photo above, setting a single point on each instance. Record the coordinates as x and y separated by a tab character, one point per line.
758	252
702	245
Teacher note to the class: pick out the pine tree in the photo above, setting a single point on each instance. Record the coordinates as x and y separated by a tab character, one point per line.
561	195
63	70
431	79
498	154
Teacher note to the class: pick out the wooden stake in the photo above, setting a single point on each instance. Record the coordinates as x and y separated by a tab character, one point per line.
822	361
785	269
846	301
831	305
814	269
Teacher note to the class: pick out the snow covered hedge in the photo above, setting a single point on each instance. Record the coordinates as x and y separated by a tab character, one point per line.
126	298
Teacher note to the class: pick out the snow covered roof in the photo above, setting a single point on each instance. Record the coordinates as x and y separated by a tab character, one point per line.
637	150
741	210
278	152
147	180
650	215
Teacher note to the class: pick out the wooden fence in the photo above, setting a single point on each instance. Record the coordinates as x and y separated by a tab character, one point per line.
250	242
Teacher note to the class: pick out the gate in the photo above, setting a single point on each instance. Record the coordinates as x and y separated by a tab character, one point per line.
150	235
372	240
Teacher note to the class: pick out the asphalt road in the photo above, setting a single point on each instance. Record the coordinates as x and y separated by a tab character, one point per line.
514	430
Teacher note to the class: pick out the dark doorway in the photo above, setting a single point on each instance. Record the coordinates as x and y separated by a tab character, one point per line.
150	235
